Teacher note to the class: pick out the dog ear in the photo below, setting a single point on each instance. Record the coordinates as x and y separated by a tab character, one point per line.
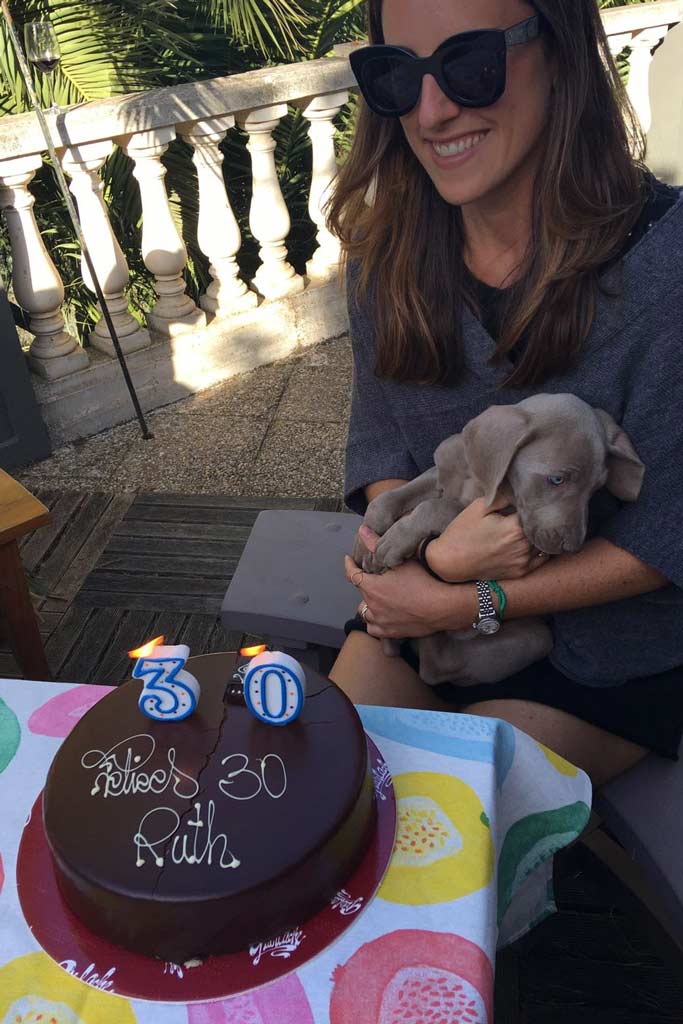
624	468
491	442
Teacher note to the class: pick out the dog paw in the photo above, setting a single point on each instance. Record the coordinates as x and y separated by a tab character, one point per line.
381	514
364	558
392	551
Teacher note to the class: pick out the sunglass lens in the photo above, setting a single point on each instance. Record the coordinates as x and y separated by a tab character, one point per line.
389	85
474	74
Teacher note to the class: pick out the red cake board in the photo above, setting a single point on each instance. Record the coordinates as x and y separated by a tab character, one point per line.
117	971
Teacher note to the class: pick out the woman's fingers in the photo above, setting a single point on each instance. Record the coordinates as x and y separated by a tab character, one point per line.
353	572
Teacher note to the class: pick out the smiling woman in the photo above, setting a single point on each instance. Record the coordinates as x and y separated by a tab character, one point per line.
517	244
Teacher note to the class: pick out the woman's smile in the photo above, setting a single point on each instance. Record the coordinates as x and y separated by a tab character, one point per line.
454	152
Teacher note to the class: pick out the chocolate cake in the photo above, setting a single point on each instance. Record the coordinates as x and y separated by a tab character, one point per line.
181	840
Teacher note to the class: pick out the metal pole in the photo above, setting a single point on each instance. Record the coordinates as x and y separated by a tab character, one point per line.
28	81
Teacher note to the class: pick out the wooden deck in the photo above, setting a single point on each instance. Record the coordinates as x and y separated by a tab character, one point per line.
116	570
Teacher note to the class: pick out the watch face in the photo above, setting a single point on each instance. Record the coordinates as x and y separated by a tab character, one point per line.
488	626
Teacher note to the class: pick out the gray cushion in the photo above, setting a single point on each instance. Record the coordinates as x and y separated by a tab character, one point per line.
642	808
290	579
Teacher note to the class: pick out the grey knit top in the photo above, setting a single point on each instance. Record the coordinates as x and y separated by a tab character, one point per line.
632	366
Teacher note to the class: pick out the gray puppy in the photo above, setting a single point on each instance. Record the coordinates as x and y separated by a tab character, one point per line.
549	454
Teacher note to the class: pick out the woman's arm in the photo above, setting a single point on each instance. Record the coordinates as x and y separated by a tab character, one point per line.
407	602
598	574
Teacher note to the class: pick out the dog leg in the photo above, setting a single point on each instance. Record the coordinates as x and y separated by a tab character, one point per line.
402	540
387	508
465	659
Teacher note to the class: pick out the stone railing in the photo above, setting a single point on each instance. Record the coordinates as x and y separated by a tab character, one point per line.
144	125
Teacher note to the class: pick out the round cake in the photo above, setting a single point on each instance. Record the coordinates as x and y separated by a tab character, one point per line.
181	840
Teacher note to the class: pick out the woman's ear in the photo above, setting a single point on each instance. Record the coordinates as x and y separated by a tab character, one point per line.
624	468
491	442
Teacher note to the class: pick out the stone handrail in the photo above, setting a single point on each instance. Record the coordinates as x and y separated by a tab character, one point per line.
201	113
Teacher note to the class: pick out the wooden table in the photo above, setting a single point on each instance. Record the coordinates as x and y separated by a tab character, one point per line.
502	804
20	513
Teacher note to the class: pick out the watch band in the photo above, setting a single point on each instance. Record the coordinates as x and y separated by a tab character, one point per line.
487	623
486	607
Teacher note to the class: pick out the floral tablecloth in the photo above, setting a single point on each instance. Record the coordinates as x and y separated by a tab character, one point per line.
494	805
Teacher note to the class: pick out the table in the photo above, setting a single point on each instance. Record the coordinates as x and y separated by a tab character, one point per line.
20	513
500	803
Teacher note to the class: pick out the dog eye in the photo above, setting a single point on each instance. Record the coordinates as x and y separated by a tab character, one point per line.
557	480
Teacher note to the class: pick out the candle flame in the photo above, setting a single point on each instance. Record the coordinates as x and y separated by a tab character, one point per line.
146	649
251	652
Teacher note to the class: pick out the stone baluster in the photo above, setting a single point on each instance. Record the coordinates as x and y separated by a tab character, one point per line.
38	288
82	164
163	250
268	216
619	42
642	45
321	112
218	232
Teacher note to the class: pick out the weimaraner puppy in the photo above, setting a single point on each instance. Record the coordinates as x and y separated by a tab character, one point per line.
548	454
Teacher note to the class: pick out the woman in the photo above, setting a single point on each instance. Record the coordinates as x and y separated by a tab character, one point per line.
515	245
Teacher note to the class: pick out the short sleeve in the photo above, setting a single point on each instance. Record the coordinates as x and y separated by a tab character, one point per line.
651	528
376	448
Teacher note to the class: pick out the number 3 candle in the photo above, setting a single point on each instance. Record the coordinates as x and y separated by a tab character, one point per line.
170	694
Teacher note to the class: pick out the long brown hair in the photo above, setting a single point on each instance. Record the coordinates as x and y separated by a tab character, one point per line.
409	242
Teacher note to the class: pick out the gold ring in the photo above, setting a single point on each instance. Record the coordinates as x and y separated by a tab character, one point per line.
357	573
363	611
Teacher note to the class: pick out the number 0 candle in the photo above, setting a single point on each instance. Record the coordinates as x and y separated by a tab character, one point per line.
170	693
275	687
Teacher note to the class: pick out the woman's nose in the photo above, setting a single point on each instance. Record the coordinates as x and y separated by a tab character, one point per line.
435	107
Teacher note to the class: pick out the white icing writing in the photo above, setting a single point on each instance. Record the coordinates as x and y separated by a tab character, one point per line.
382	777
241	672
243	783
122	770
283	946
172	969
185	848
179	969
345	904
90	975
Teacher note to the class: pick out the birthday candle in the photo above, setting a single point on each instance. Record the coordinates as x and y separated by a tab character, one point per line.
275	687
170	693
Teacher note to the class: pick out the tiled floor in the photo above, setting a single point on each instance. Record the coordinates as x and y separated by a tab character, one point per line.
280	430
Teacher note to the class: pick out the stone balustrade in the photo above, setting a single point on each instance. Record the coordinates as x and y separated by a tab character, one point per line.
144	125
201	114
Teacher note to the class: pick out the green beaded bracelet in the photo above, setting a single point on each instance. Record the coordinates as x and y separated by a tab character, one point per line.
502	599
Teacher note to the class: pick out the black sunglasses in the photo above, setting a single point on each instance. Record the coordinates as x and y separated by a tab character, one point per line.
471	69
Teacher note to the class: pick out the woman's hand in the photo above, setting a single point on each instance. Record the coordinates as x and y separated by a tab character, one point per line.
408	603
481	544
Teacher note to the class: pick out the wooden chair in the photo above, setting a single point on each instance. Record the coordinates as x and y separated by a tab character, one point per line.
20	513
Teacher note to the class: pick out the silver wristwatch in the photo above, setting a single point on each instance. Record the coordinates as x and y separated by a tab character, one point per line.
488	622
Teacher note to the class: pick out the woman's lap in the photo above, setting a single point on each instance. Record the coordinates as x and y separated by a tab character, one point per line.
368	676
